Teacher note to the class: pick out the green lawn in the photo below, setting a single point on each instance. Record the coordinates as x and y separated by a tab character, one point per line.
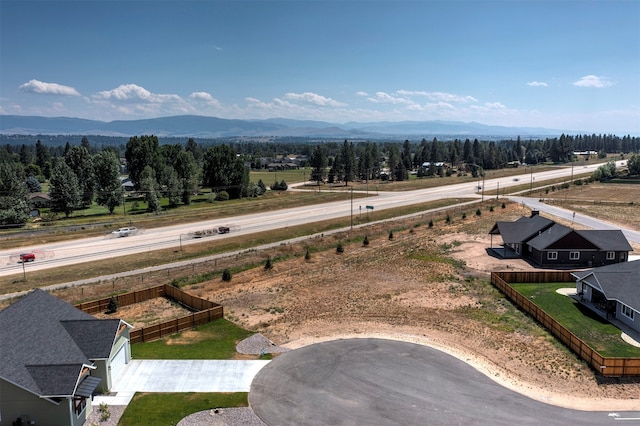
595	331
169	408
215	340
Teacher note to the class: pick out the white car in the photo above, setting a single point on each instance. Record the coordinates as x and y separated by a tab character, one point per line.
125	232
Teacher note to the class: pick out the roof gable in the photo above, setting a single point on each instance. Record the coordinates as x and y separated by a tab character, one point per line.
522	229
549	236
94	337
618	281
41	332
607	239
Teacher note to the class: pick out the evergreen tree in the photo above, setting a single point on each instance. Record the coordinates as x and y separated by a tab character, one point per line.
318	163
81	163
14	194
108	185
64	189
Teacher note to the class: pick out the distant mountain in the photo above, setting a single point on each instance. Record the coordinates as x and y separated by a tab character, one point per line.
213	127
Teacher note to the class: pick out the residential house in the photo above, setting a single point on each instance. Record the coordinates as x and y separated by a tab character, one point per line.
516	234
613	290
548	244
39	199
53	358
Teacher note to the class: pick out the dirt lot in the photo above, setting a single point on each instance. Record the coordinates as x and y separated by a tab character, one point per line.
426	285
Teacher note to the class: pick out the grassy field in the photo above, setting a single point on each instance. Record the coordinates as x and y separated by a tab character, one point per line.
595	331
169	408
615	202
215	340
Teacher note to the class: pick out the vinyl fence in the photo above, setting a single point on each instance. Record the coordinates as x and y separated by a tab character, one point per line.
607	366
204	311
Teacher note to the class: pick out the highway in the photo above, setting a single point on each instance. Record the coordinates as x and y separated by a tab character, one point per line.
90	249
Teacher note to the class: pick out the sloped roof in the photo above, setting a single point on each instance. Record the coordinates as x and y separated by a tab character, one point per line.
549	236
603	240
607	239
619	281
46	342
522	229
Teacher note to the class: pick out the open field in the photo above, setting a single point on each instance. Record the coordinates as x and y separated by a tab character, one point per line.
426	284
617	203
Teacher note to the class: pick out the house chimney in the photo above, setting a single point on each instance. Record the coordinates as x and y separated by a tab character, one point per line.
535	213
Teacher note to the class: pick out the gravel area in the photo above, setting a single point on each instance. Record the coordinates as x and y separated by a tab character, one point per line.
257	343
223	417
94	418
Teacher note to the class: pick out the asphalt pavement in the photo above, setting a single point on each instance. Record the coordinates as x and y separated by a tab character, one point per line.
385	382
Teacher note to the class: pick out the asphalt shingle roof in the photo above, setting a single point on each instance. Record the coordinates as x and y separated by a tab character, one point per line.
45	341
522	229
619	281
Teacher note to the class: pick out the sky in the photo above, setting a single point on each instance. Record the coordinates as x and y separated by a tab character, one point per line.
559	64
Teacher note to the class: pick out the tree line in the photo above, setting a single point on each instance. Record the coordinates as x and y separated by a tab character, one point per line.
82	174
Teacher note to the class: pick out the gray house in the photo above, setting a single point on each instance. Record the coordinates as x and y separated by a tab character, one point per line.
53	358
550	245
613	290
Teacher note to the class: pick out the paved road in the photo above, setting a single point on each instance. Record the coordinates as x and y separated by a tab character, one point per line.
385	382
570	215
89	249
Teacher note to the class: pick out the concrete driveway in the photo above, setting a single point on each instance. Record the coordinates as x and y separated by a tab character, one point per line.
182	376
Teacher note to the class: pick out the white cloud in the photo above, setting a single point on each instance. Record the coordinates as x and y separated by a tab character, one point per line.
42	88
537	84
593	81
385	98
438	96
133	92
314	99
204	97
361	93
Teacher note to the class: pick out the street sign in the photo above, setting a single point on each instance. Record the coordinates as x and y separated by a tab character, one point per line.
369	207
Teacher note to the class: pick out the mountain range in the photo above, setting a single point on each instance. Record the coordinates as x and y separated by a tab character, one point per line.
212	127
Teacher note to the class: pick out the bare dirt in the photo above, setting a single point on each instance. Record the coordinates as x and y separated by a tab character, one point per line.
426	285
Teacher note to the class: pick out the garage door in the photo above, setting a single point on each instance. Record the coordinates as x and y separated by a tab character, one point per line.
118	363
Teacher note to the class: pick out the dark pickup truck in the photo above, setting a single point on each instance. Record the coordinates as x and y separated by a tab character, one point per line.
223	230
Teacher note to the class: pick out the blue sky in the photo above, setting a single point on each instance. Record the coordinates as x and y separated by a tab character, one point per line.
570	65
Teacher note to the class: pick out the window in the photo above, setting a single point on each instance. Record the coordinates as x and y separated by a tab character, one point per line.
627	311
574	255
552	255
611	255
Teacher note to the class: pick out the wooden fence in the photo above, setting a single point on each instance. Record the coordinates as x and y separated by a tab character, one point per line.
204	311
607	366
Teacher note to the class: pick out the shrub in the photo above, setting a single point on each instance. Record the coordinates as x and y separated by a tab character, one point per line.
222	196
307	255
365	242
431	223
226	275
464	215
448	219
504	206
391	235
268	265
490	208
340	248
478	212
113	305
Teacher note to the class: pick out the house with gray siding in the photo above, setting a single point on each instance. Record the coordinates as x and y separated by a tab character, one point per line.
53	358
613	290
547	244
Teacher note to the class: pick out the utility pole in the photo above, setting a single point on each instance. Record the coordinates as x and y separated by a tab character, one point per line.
351	208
